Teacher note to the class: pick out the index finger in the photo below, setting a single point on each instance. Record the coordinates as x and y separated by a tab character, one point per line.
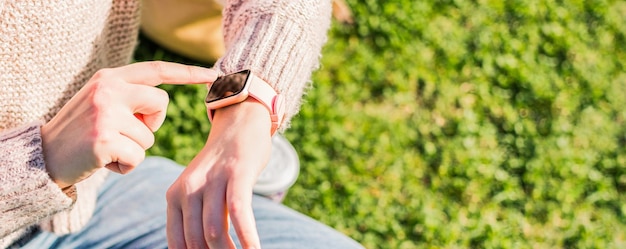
154	73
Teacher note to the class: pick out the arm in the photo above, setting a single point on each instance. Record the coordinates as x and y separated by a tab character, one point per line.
280	41
27	193
108	123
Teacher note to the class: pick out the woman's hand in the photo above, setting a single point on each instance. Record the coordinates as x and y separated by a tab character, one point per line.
218	182
111	120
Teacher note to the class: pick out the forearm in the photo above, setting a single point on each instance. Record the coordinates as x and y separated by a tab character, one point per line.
27	193
29	196
279	40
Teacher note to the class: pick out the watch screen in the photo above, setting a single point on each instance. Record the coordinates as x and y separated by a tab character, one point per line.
227	85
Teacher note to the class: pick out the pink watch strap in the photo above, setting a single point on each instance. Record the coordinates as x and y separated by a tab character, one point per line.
265	94
262	92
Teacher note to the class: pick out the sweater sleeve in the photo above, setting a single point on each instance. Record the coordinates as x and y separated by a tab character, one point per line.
279	40
27	194
75	218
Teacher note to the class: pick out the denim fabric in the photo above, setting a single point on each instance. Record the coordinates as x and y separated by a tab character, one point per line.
131	213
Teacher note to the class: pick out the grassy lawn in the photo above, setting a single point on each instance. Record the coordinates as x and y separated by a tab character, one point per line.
456	124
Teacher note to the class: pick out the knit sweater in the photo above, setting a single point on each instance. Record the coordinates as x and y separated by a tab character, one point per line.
49	49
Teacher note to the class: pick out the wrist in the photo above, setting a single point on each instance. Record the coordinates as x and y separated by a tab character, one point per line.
49	158
249	113
244	86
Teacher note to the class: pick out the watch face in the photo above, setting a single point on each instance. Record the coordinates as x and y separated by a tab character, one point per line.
227	86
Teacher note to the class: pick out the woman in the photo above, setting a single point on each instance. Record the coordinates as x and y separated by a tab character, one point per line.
72	109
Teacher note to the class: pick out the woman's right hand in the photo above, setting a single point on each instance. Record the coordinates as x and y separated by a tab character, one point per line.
110	121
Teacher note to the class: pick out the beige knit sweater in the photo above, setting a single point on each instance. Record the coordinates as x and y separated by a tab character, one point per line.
49	49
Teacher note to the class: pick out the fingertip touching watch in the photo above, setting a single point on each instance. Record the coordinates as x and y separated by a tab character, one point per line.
235	88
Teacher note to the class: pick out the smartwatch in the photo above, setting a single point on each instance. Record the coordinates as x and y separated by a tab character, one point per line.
235	88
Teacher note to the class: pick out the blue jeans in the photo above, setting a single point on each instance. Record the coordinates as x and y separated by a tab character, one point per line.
131	213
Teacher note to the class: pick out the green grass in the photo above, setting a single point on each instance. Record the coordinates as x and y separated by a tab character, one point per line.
457	124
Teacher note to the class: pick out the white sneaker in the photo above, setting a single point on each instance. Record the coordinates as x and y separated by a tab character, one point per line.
281	171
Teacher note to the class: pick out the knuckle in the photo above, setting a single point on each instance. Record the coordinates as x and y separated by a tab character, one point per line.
103	139
103	73
236	206
157	66
212	234
191	190
163	97
172	194
150	142
138	157
101	94
162	94
182	190
135	155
